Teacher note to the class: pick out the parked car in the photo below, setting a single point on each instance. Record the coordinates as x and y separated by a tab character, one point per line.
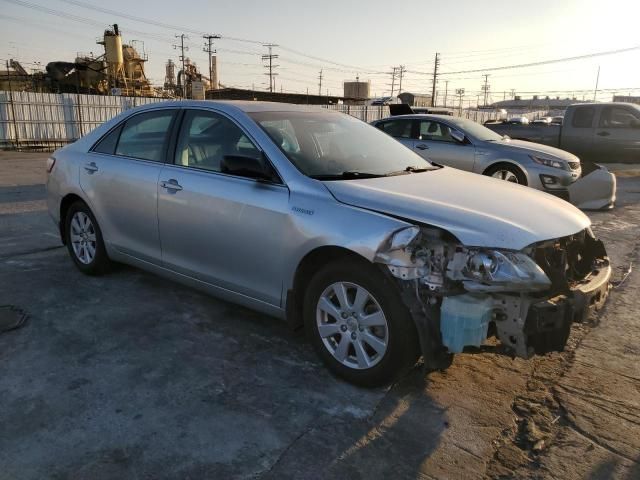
517	121
542	121
467	145
597	132
322	220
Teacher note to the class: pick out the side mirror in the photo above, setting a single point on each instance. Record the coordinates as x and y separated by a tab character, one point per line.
457	136
246	166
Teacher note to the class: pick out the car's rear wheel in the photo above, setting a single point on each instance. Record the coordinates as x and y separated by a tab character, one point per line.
507	172
358	324
84	240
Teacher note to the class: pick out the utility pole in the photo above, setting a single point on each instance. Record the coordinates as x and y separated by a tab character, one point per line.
393	80
446	90
513	94
460	93
270	57
401	70
320	83
595	92
208	47
485	88
182	50
436	64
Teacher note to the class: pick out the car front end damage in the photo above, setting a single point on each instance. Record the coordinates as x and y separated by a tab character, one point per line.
459	296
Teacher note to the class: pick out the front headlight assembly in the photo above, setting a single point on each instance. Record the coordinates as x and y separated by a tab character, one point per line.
498	270
549	162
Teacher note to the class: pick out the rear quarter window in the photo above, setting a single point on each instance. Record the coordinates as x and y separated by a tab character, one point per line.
107	144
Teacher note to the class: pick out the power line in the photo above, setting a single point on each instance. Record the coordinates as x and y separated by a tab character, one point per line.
547	62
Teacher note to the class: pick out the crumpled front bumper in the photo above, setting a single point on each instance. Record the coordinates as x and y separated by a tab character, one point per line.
548	322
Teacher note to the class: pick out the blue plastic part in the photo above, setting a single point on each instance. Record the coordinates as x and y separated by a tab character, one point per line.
464	320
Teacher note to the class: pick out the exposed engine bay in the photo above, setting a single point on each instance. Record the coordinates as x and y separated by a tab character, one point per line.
528	299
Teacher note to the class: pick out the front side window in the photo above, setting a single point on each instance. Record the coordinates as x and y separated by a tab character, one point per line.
583	117
435	132
145	135
618	117
397	128
326	144
205	139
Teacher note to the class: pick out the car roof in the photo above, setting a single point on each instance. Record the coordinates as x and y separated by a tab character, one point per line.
243	105
417	116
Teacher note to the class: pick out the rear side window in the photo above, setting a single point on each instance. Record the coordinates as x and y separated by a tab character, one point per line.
397	128
107	144
144	135
583	117
435	132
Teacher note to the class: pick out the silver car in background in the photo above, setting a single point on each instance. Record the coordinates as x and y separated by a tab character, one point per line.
320	219
467	145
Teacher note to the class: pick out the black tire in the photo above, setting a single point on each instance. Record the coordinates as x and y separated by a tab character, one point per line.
402	349
507	167
100	262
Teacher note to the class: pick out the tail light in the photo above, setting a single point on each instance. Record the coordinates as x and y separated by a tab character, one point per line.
51	162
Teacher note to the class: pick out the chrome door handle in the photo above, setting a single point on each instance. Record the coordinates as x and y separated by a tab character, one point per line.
91	167
422	146
171	184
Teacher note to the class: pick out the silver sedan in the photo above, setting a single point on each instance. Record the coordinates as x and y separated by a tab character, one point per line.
467	145
320	219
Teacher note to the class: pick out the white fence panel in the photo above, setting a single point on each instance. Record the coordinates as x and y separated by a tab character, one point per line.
48	120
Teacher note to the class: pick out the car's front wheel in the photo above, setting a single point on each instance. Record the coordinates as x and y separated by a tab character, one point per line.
358	324
84	240
507	172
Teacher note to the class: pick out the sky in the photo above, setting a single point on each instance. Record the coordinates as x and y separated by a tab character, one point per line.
354	39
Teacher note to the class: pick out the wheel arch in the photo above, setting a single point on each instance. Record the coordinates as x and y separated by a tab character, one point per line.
305	270
65	204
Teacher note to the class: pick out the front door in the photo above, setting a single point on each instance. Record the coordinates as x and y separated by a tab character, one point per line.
617	136
436	143
219	228
120	178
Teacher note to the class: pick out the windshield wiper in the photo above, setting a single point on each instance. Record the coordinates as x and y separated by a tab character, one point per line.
348	175
409	169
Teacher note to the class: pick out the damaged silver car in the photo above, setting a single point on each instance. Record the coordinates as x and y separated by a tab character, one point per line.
327	222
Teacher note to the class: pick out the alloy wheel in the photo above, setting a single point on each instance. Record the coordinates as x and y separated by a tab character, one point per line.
352	325
82	235
507	175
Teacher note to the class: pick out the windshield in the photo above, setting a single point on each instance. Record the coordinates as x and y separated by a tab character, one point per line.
475	130
334	145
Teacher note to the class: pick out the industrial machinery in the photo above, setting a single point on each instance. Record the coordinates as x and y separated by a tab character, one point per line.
119	71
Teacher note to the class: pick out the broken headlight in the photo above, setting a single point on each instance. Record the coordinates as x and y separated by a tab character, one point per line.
501	270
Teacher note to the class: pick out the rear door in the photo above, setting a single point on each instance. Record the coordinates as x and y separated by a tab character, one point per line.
436	143
120	178
617	136
223	229
402	129
577	135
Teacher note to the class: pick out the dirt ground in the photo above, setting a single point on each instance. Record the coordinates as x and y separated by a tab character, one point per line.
132	376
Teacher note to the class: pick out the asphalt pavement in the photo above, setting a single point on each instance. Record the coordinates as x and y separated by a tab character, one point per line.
132	376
